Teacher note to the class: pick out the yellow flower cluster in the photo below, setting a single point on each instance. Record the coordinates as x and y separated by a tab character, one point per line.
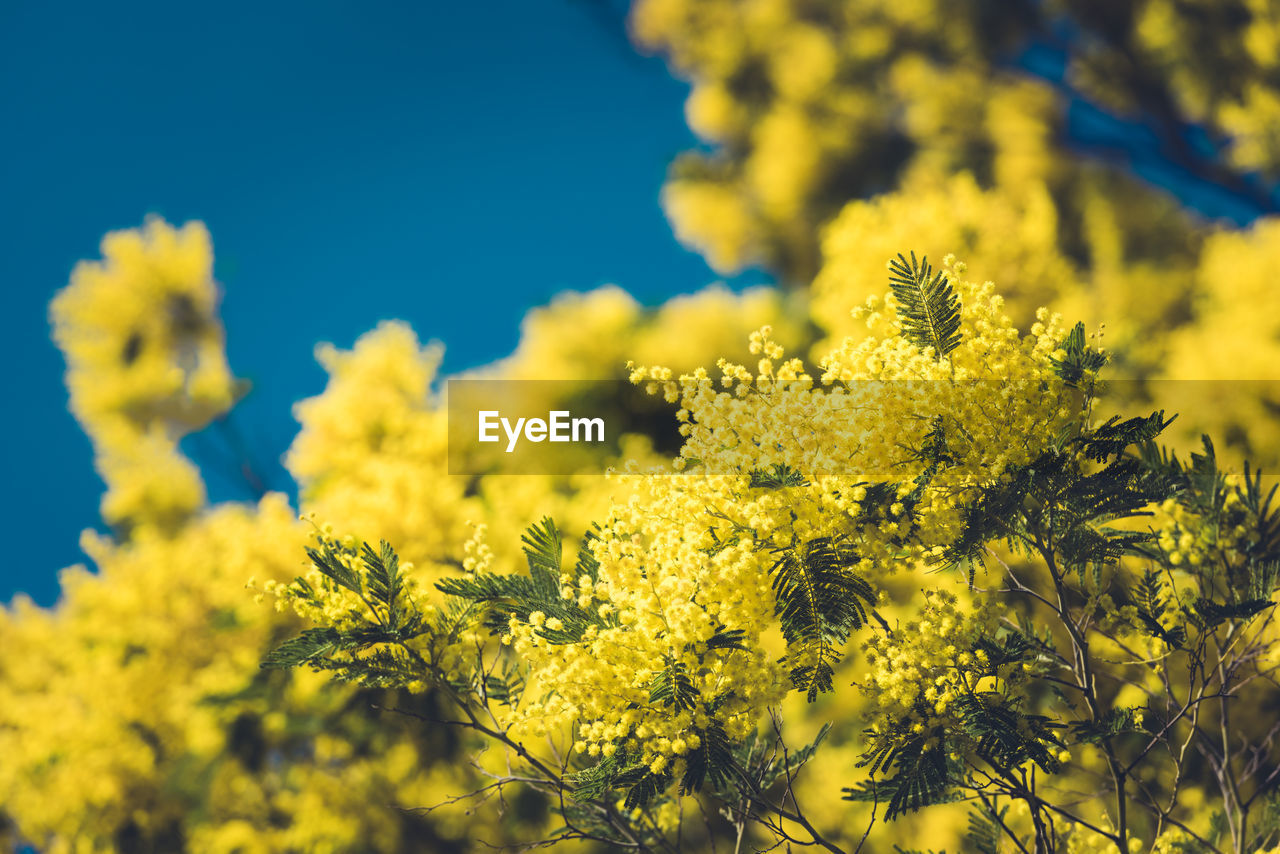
1224	371
166	619
145	365
841	127
687	556
371	454
1006	235
1218	538
780	87
1084	841
847	131
922	667
479	556
590	336
668	582
876	401
813	105
141	695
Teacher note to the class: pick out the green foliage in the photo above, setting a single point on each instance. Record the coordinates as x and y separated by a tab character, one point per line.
1228	593
820	601
380	586
1079	361
927	305
919	771
1264	546
727	639
1054	500
1002	735
763	764
1266	823
312	644
1112	438
517	597
733	771
622	770
1207	615
1149	599
777	476
504	686
1204	487
983	835
924	775
1061	510
1011	647
672	686
1112	723
712	759
372	648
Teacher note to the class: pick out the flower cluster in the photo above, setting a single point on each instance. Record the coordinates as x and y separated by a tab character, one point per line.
840	132
777	468
1190	537
478	554
370	454
920	669
877	408
668	586
145	365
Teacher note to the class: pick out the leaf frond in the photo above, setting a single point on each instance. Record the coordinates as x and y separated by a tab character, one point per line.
927	305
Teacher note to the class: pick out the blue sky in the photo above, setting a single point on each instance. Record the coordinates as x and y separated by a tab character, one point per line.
450	164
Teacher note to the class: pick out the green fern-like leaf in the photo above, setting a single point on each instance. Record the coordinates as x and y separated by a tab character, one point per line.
327	560
642	785
1152	607
1079	359
1114	722
777	476
672	686
596	781
922	777
384	582
587	563
519	596
927	305
505	687
1013	647
819	600
1262	579
1003	734
713	759
1113	437
727	639
983	836
1208	615
1266	823
542	550
1265	547
882	791
309	647
371	649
